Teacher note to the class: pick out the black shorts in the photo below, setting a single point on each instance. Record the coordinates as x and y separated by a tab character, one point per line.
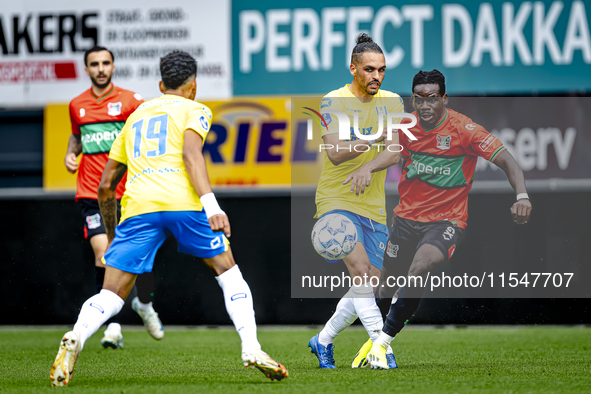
93	221
407	236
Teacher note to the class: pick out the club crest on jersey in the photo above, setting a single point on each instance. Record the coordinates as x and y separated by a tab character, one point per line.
381	110
392	250
114	109
443	141
82	112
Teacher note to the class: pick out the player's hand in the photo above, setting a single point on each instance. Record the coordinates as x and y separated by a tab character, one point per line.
521	211
360	179
383	136
71	162
220	223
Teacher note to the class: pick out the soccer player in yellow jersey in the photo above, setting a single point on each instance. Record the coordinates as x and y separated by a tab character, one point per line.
364	98
167	190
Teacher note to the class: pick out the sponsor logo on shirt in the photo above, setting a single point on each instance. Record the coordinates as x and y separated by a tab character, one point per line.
114	109
484	145
326	102
427	169
82	112
100	136
138	97
443	141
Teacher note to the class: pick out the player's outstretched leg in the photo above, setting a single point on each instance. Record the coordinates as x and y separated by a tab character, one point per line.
238	300
400	311
113	337
94	313
321	344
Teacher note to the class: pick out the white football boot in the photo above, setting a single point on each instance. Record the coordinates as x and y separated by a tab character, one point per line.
67	354
261	361
150	318
113	337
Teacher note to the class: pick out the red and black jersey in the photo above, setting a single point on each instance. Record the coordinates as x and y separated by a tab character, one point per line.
439	168
98	121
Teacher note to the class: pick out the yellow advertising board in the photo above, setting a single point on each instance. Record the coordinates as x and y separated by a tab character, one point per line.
252	142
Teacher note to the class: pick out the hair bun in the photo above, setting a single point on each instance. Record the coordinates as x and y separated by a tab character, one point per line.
363	37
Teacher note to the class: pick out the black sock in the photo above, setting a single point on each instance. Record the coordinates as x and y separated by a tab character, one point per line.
402	310
145	284
100	278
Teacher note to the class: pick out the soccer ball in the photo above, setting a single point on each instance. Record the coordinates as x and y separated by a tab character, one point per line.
334	236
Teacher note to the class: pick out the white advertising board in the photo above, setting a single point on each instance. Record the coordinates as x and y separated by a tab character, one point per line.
42	46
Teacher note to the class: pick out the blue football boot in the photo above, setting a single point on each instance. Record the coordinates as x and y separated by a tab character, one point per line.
325	354
391	361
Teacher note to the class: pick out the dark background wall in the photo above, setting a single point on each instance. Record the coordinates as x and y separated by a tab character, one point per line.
47	269
21	150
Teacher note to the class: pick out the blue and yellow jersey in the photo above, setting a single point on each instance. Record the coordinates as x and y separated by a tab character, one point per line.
151	146
331	193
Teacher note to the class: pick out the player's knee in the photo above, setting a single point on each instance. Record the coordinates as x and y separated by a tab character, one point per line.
220	263
419	268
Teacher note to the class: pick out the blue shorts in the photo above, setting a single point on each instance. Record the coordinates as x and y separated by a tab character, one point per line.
138	238
372	235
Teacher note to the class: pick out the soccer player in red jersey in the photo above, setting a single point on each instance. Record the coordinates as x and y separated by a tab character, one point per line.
97	117
437	175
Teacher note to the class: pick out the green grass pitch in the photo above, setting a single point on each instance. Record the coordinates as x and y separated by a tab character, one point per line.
520	360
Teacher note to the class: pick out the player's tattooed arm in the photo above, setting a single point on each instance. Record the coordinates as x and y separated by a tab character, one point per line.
120	171
107	198
521	210
109	214
74	149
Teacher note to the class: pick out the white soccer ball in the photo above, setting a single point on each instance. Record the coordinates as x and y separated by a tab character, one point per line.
334	236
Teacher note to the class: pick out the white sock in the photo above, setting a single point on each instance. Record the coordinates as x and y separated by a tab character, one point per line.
367	310
238	299
144	307
342	318
384	340
95	312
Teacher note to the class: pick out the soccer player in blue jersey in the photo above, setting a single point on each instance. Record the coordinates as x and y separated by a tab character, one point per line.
167	190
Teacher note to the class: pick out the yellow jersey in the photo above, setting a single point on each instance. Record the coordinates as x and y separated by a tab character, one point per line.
151	146
331	194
